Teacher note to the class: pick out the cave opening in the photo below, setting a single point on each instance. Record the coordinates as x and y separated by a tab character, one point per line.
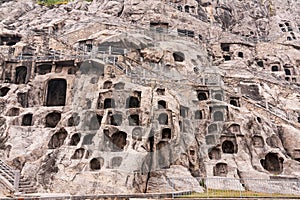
78	154
107	85
109	103
163	119
198	114
225	47
27	120
187	8
258	141
287	72
21	74
218	116
166	133
52	119
95	122
44	69
221	169
137	133
58	139
162	104
228	147
212	128
118	140
272	163
132	102
214	154
178	56
96	164
75	139
57	90
202	95
219	97
74	120
275	68
116	120
13	112
234	102
241	54
4	91
134	120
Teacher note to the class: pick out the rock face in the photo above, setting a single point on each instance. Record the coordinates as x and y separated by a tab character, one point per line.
150	96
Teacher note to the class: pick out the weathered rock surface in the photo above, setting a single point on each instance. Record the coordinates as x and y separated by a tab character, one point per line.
151	96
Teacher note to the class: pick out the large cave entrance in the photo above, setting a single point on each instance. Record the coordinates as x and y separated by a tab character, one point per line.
21	74
56	95
272	163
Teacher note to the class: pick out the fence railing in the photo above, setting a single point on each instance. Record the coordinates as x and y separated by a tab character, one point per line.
223	187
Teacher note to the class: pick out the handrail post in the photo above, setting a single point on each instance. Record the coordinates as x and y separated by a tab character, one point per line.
16	180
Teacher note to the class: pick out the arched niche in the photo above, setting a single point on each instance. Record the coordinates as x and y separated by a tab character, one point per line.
272	163
96	163
218	116
221	169
163	119
119	141
58	139
52	119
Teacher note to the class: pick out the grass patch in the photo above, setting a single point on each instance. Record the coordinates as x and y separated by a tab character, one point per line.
233	193
54	2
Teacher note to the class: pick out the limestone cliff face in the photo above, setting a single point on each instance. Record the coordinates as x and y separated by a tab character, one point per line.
147	96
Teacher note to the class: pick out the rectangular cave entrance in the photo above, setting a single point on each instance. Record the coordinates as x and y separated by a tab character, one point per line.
56	95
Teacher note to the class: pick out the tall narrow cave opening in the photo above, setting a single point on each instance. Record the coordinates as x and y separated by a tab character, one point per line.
119	141
198	114
163	155
109	103
116	120
56	93
166	133
95	122
27	120
21	74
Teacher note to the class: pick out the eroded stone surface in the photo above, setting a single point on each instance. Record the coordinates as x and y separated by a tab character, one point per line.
148	96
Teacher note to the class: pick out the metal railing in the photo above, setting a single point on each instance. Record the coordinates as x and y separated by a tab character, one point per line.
12	176
223	187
